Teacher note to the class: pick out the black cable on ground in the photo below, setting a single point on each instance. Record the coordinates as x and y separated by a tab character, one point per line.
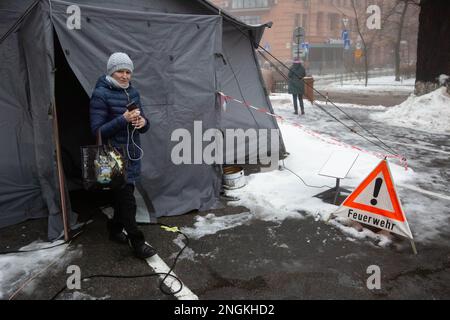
148	275
325	186
174	263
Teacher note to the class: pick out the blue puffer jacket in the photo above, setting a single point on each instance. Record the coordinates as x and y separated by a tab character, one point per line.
107	106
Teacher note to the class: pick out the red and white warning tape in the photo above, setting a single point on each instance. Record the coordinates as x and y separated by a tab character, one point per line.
330	140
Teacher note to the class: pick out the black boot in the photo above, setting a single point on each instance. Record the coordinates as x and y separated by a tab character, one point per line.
141	249
116	233
144	251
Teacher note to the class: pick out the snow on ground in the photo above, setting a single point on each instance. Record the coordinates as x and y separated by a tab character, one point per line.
277	195
430	113
187	253
378	85
285	101
210	224
76	295
17	268
428	155
354	106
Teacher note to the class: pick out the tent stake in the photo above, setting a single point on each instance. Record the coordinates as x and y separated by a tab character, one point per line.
62	189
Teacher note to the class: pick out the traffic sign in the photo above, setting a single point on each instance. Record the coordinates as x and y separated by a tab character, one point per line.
305	47
375	202
299	32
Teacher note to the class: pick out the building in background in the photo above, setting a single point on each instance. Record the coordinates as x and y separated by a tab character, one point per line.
324	49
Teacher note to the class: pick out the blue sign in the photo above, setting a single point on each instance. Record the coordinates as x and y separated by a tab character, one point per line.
305	46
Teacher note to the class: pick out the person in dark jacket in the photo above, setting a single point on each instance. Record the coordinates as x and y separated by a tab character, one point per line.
121	128
296	85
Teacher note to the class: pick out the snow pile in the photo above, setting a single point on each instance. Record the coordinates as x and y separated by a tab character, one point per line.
16	269
278	195
76	295
443	78
210	224
430	113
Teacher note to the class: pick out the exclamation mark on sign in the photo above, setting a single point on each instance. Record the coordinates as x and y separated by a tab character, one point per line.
376	191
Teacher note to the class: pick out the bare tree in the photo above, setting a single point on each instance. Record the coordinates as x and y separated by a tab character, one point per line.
364	46
397	28
399	39
369	37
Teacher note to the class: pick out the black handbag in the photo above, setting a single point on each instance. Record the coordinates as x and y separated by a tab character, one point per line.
103	167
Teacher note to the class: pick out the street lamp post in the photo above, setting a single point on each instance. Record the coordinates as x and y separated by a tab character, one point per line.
299	35
346	45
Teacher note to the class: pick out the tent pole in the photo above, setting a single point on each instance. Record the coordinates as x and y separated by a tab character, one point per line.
62	189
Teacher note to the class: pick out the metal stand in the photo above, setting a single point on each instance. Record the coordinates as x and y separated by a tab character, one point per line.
337	166
332	193
413	245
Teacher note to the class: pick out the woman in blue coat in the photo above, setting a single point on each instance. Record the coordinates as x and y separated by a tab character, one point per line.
121	128
296	85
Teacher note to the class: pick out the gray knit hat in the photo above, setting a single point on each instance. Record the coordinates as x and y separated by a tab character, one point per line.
119	61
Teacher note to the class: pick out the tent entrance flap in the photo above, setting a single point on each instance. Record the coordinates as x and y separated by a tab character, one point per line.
72	105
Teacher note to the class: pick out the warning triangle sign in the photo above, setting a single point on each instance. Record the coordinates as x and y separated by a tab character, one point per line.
376	194
375	202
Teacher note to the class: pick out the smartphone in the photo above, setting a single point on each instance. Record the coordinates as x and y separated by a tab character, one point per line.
132	106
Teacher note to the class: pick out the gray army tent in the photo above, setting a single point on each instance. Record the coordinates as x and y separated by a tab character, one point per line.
184	52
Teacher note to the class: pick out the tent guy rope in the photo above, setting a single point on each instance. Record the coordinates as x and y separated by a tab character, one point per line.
330	140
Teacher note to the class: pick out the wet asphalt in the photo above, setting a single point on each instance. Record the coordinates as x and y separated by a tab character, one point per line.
293	259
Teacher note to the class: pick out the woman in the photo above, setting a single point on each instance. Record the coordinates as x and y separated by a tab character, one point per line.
121	128
296	84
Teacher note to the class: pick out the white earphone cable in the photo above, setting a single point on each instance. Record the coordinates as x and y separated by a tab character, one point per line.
134	143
